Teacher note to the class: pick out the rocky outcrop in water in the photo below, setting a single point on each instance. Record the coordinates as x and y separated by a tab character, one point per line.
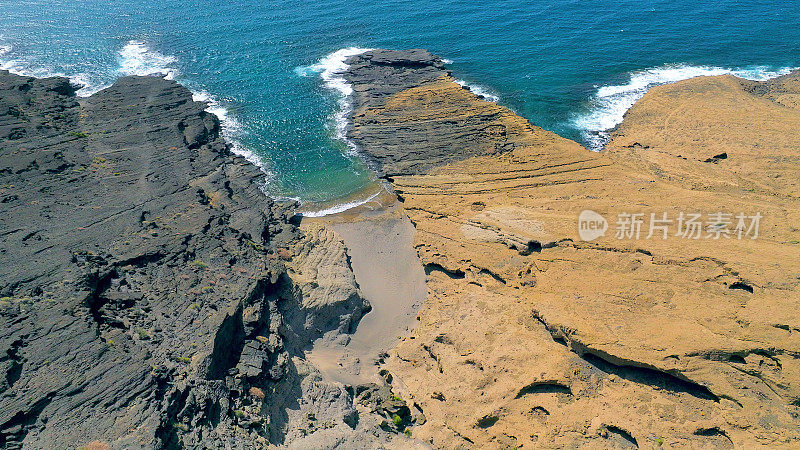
146	300
406	145
531	336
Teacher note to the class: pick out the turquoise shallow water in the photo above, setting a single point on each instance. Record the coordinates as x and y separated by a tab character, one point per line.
571	66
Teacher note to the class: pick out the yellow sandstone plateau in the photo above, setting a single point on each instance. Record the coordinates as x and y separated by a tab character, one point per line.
533	337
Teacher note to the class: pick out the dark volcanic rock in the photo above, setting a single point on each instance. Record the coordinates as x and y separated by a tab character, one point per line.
143	296
377	74
421	143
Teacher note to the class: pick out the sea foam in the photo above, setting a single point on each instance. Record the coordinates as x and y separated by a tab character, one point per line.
342	207
609	104
22	66
134	58
479	90
233	132
137	58
476	89
331	69
88	84
17	65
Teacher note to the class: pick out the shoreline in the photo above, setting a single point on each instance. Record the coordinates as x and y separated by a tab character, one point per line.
333	68
485	306
197	285
607	105
611	102
377	195
358	219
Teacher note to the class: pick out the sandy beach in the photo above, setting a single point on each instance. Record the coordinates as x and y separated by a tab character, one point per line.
391	277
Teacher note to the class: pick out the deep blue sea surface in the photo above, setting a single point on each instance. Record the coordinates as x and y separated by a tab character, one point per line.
570	66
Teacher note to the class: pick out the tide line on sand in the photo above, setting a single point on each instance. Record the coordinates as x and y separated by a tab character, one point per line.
331	69
341	207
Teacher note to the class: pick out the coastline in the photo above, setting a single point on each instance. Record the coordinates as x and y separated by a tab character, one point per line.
137	58
88	299
375	196
608	104
476	273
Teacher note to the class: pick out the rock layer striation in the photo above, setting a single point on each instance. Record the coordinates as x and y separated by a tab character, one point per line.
532	336
152	295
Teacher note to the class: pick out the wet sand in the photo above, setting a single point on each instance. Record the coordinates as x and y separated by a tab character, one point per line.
391	277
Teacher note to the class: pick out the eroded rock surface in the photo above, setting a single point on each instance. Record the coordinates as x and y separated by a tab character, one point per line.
152	295
531	336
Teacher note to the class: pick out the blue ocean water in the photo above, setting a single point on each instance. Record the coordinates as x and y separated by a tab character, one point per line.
570	66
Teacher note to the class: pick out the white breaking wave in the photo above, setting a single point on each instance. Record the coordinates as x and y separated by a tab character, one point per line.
339	208
136	58
12	65
27	69
232	131
22	67
609	104
88	86
15	66
331	69
479	90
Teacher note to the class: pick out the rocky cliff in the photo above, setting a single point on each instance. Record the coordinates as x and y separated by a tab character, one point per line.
152	295
531	336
